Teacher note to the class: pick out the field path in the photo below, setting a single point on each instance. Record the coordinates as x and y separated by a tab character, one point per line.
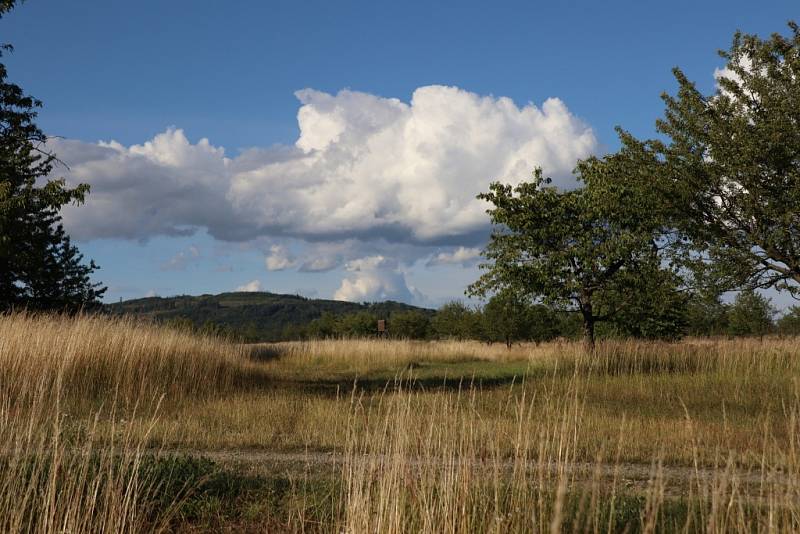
638	477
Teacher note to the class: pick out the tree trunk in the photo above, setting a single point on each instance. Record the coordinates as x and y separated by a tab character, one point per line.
588	334
588	325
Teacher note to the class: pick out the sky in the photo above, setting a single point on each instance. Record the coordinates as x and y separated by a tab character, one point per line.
335	149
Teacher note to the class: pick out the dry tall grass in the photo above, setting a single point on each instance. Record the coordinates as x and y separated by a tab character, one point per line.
446	473
358	354
98	358
68	461
694	436
744	355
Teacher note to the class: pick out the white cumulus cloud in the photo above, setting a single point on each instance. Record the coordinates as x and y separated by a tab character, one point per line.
378	167
364	167
375	278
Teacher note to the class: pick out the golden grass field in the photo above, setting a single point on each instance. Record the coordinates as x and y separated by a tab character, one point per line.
115	425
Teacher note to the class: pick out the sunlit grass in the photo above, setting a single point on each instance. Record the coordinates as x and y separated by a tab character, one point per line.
420	436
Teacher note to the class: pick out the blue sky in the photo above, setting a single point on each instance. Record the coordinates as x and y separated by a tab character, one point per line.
174	214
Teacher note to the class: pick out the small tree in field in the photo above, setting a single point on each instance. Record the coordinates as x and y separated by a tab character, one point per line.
751	315
789	324
505	318
410	324
591	250
707	315
455	320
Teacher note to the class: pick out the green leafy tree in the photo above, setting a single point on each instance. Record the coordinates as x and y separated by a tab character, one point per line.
411	324
359	324
589	250
543	324
731	164
506	318
455	320
789	324
291	332
39	266
323	327
752	314
706	315
656	309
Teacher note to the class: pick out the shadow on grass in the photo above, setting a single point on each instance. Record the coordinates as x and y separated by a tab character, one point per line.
438	377
265	353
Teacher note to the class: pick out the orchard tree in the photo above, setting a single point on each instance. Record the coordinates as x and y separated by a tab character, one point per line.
731	164
456	320
752	314
789	324
543	324
39	266
505	318
656	307
706	315
410	324
590	250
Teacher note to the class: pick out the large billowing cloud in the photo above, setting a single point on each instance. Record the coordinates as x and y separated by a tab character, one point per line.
372	181
370	166
166	186
363	167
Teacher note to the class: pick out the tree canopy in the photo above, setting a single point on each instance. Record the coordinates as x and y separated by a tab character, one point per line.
731	164
592	250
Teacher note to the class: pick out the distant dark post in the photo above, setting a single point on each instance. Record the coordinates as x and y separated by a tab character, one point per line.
381	327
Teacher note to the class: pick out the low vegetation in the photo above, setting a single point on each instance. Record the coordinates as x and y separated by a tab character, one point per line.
117	425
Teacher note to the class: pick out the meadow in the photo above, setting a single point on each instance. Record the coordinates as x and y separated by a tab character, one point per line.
118	425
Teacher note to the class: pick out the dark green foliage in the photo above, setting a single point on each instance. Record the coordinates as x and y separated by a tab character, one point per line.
507	318
455	320
706	315
657	309
326	326
789	324
411	324
732	165
264	316
359	324
544	324
592	250
39	267
751	314
6	6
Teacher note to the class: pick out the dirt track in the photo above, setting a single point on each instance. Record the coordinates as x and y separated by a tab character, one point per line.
677	480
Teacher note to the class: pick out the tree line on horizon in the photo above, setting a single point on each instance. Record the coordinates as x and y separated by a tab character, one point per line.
645	246
506	321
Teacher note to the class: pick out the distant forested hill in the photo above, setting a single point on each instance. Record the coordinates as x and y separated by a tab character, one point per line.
256	316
